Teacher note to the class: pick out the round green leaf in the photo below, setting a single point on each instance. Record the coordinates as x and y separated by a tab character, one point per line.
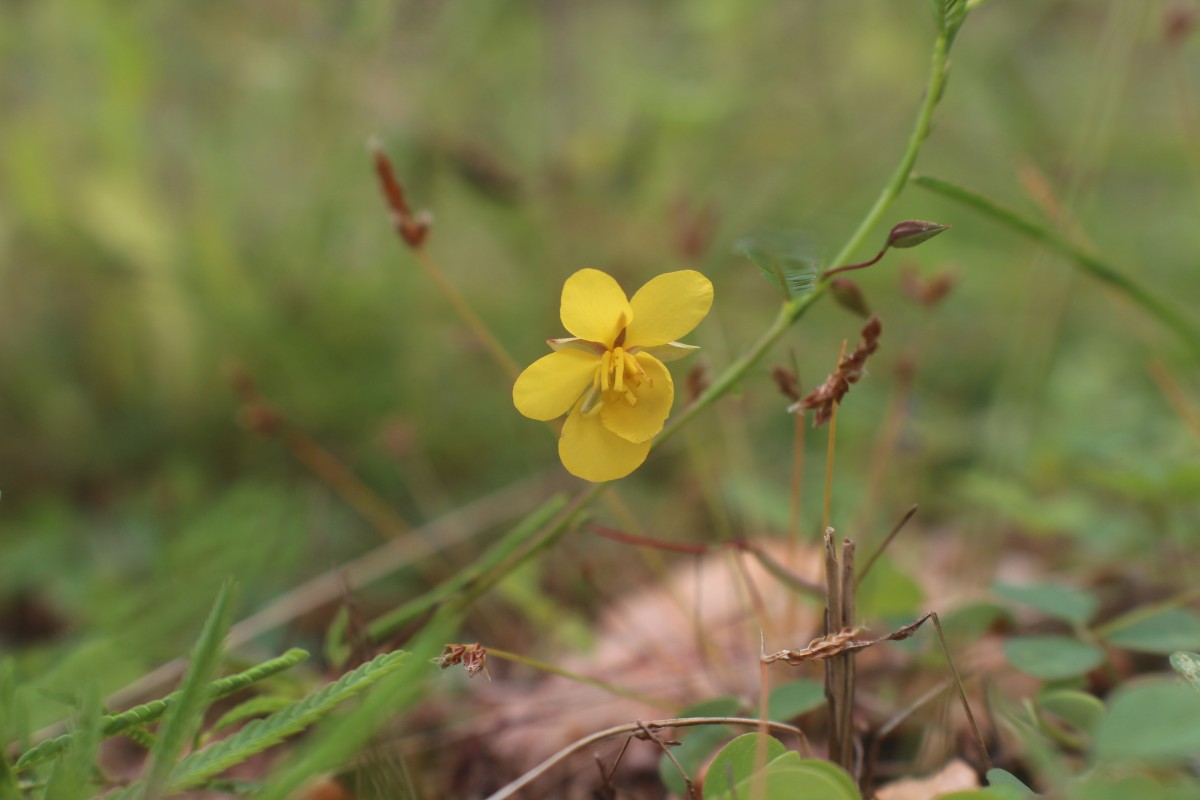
1078	709
1175	629
794	698
1076	606
1052	657
789	777
737	761
1151	722
697	744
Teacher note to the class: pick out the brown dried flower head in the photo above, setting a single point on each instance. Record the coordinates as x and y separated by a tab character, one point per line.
849	371
472	658
413	228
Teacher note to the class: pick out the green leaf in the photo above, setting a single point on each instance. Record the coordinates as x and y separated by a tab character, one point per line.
341	739
971	620
791	699
1174	629
1150	722
184	717
1078	709
998	778
697	744
738	760
254	707
789	777
1102	786
1076	606
789	260
148	712
888	592
988	793
1052	657
264	733
1187	665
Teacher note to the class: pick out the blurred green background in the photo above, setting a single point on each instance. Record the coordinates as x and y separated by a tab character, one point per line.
186	187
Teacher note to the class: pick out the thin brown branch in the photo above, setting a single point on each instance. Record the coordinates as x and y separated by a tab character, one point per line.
529	777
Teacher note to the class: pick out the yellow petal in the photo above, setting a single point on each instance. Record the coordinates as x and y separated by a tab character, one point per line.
671	351
550	386
668	307
594	306
641	422
591	451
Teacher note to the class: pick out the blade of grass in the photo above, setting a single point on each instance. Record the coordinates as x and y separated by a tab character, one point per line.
1181	325
184	717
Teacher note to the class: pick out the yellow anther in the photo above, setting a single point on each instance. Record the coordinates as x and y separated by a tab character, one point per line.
630	397
619	361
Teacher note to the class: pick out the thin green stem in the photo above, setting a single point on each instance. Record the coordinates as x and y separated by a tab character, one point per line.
896	184
1181	324
553	669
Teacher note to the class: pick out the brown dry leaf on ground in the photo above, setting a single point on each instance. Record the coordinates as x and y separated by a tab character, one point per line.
956	776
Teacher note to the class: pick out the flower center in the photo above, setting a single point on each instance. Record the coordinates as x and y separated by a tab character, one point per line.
618	375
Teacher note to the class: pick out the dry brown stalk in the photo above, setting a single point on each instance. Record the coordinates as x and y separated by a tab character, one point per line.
849	371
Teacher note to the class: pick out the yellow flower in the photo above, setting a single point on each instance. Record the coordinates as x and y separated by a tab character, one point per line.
609	374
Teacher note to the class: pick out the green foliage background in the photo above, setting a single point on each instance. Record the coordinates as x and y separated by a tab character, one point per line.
185	186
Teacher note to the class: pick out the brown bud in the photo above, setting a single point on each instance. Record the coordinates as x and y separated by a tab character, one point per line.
913	232
850	297
787	381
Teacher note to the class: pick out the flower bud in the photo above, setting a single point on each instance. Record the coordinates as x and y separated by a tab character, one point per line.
913	232
850	297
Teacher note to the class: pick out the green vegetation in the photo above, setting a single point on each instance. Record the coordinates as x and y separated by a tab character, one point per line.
267	503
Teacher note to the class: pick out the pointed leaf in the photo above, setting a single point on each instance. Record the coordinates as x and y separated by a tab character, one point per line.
788	259
1165	632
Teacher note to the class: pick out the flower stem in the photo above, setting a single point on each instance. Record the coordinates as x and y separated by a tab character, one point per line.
895	185
466	313
553	669
796	307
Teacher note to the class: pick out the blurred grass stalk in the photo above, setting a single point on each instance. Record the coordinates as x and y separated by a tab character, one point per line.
1183	326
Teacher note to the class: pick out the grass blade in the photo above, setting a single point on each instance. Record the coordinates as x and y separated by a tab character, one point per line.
183	718
1182	325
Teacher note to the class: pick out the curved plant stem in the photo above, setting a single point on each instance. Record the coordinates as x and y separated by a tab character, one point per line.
634	728
933	93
